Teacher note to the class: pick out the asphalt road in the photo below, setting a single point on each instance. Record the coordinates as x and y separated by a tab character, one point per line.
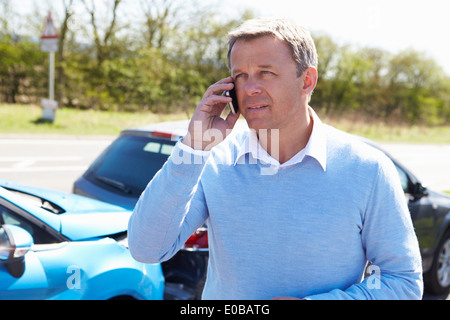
56	162
430	163
53	163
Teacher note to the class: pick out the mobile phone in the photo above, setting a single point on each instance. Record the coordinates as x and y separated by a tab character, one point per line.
234	103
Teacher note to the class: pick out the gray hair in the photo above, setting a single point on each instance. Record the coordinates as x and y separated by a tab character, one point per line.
296	37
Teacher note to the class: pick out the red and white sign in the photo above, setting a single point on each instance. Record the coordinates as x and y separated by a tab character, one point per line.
49	35
49	29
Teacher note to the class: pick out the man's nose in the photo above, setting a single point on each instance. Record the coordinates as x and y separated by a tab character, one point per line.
252	87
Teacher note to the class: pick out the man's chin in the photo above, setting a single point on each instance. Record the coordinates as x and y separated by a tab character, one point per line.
257	124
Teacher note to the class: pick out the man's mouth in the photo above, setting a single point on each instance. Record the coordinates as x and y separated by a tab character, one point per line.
256	107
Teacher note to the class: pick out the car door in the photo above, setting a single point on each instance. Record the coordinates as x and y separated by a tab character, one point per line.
32	283
421	211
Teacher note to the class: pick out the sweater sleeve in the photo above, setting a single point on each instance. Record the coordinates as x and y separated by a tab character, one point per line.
391	245
170	209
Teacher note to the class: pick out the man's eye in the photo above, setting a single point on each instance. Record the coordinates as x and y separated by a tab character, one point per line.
239	77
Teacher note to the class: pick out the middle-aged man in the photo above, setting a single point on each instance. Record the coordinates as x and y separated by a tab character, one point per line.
294	208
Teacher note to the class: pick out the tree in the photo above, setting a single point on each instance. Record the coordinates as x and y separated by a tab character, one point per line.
160	19
21	69
416	83
102	43
163	55
60	57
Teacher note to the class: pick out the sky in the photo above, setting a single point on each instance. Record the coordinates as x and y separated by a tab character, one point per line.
392	25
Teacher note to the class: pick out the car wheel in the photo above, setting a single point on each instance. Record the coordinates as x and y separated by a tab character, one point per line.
437	280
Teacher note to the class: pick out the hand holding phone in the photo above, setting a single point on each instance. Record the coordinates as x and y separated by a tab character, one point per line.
234	103
207	116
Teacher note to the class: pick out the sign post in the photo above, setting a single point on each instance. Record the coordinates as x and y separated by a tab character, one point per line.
50	44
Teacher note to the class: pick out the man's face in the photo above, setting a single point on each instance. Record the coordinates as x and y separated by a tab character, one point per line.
268	89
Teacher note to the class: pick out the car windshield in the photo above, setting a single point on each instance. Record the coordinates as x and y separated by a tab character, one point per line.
127	166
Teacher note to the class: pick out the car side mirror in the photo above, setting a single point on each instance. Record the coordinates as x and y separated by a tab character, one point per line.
15	242
419	191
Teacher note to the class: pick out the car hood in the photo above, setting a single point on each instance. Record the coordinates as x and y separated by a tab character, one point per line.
87	225
81	217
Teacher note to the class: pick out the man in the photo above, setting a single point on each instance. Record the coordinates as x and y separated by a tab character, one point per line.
294	208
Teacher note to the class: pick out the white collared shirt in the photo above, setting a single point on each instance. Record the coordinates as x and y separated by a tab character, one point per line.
316	148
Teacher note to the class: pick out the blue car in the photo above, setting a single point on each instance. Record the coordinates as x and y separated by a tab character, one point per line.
55	245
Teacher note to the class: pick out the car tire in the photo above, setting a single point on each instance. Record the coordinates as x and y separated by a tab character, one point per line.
437	279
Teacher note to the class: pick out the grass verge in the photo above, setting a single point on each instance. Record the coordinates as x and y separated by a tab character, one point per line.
383	132
24	119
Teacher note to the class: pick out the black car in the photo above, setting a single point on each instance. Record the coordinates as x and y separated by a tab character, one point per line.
122	171
430	213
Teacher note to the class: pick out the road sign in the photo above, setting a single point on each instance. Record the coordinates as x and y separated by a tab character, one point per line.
48	109
49	36
49	45
50	104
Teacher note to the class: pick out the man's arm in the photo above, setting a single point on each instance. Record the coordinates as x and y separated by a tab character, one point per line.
172	206
390	243
170	209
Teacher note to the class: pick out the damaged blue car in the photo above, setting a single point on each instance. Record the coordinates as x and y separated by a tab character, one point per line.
55	245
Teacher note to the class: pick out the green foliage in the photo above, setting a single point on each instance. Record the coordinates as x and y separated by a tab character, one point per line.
404	88
22	65
25	119
166	62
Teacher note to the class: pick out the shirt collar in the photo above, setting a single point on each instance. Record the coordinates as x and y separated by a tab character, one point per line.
315	148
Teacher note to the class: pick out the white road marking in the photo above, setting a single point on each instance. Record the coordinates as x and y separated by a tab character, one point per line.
44	169
53	142
29	164
36	159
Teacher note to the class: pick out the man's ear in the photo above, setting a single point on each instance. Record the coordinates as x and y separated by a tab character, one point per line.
309	80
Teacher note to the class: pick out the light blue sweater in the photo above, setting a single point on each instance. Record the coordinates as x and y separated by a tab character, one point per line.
303	231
